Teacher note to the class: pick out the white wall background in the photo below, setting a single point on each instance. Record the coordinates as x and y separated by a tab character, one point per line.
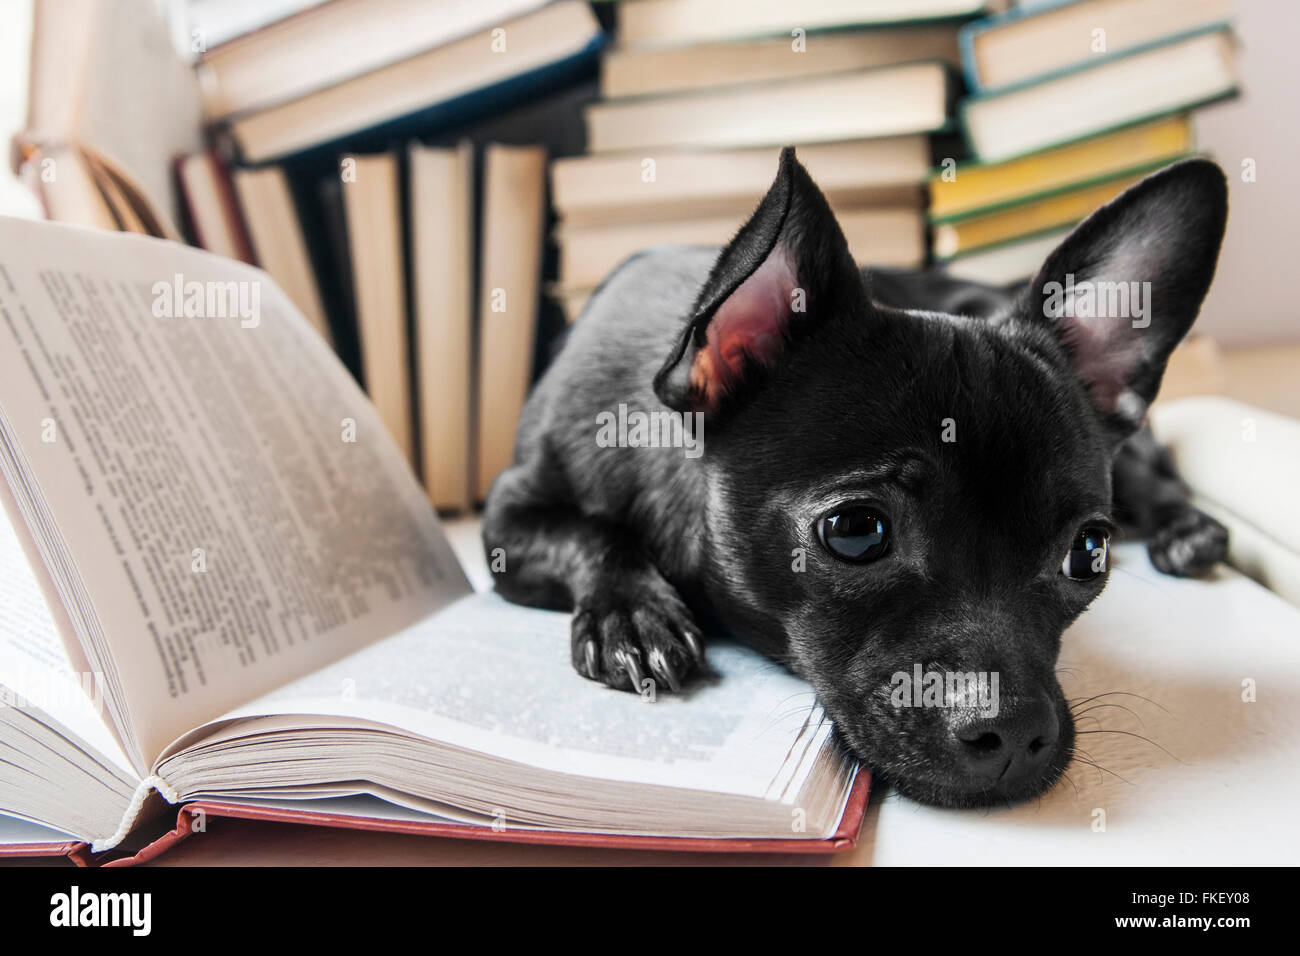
15	37
1253	300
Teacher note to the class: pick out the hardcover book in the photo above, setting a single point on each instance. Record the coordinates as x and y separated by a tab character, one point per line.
1028	43
437	89
971	188
858	104
678	22
1116	92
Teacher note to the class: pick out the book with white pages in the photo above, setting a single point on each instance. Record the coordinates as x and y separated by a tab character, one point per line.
278	241
440	209
222	586
372	206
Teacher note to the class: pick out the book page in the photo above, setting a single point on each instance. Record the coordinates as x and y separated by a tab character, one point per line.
217	502
494	677
35	672
15	832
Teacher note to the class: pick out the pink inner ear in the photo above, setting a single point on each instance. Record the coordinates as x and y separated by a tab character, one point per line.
1105	350
748	326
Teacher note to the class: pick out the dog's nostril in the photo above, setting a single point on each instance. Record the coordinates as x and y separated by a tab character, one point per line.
1008	751
985	742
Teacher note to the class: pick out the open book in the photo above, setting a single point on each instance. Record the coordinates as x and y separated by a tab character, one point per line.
220	581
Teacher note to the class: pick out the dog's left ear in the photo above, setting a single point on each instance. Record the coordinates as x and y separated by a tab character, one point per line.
1148	255
787	268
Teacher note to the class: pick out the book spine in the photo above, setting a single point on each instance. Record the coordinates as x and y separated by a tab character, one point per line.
131	816
1147	166
1135	121
966	48
1102	60
446	114
967	34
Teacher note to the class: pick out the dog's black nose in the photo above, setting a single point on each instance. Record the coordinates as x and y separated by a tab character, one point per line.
1010	749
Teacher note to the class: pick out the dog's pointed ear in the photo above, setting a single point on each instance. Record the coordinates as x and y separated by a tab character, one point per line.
1125	286
787	268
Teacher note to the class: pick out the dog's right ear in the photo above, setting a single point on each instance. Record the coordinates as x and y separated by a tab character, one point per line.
1156	243
787	268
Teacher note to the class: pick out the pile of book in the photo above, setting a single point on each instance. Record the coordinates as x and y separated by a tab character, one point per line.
698	96
430	254
383	160
1070	104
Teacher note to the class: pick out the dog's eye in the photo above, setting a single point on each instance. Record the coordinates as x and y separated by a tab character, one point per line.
1088	555
855	533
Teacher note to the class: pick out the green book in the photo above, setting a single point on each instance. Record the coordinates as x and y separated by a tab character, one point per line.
1117	92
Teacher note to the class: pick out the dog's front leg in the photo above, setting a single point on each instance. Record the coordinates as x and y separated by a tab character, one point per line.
629	622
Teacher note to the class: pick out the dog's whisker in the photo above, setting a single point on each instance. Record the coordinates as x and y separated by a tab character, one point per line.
1145	582
1078	702
1066	777
1117	776
1097	766
1080	713
1129	733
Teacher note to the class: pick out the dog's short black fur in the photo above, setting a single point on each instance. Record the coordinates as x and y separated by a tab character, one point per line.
894	469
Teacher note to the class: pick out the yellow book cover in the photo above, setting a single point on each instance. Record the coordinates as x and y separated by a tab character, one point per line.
1026	219
965	189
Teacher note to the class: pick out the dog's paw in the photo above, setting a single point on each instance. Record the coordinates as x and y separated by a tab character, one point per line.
1190	545
622	640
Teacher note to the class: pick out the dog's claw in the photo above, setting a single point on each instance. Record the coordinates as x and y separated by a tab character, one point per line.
629	661
660	667
621	637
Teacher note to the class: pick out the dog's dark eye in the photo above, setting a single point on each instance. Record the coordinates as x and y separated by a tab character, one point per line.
855	533
1088	555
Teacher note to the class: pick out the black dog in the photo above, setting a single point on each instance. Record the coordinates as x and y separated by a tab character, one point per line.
898	471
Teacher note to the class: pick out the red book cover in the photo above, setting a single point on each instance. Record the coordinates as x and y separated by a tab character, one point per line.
844	838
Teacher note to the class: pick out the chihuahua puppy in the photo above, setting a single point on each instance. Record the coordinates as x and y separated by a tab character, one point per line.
864	474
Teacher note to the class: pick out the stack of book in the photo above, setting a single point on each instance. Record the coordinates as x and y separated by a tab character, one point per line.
383	160
386	160
698	96
1070	104
417	251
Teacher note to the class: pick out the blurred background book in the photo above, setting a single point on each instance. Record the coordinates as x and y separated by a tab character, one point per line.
1067	105
440	186
697	97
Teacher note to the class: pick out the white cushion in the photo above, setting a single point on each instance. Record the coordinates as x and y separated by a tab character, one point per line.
1242	464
